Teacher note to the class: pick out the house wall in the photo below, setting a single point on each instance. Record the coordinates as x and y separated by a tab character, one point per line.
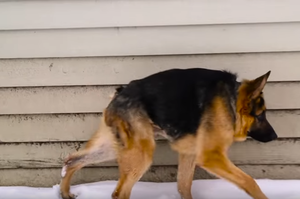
60	61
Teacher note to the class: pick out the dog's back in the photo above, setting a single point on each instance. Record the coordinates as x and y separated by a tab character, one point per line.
175	99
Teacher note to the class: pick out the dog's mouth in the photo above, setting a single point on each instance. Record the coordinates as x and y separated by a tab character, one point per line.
259	136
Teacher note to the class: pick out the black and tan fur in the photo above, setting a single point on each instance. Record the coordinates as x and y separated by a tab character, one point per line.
202	112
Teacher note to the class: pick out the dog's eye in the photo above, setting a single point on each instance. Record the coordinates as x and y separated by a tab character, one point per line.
260	117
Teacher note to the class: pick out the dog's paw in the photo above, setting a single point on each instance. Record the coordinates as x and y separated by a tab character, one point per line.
68	196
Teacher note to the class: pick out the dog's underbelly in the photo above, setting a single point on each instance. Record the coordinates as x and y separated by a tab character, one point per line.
158	132
185	144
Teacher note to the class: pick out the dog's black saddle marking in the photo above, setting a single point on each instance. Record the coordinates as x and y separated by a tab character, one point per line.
176	99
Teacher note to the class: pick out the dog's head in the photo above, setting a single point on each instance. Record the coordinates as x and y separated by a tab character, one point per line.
252	109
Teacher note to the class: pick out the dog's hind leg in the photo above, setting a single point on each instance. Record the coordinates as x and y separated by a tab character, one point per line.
100	148
135	157
186	168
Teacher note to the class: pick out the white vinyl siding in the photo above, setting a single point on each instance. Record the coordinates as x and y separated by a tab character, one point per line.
61	60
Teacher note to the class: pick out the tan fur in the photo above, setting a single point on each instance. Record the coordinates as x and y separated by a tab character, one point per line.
134	152
102	140
212	152
186	168
243	120
135	159
185	145
132	143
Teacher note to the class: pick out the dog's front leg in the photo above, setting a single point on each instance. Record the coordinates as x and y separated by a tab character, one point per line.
186	168
218	164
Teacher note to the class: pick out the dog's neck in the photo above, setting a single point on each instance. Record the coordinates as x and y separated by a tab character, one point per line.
241	127
234	99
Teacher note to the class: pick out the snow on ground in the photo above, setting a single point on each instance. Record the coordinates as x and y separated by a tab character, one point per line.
202	189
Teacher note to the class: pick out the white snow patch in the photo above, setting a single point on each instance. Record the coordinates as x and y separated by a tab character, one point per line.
202	189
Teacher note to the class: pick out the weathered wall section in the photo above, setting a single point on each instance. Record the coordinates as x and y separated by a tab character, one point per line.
60	61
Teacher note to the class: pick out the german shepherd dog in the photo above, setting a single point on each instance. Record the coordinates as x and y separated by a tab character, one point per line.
200	111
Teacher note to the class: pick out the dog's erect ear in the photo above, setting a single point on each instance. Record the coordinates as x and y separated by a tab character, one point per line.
258	84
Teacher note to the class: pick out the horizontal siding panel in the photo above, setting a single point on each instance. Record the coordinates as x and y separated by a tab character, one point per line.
87	14
51	176
54	99
150	40
80	127
93	99
51	127
121	70
48	155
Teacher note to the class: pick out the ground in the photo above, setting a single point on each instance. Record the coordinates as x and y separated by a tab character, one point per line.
202	189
